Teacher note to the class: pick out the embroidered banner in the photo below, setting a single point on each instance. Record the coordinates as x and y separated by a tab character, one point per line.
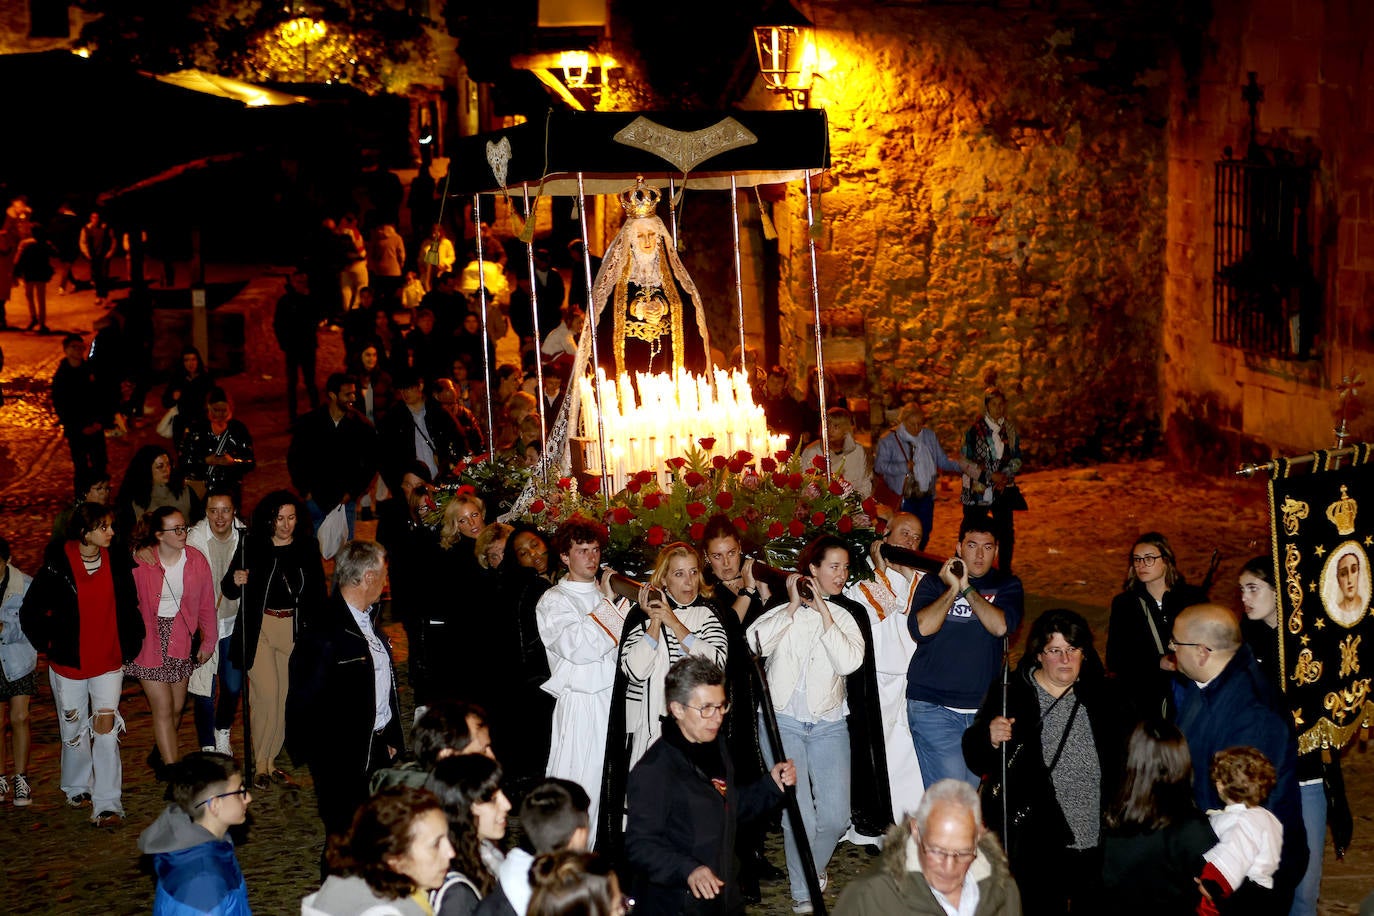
1323	536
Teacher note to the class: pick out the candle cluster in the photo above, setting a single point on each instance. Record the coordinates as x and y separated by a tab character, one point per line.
661	416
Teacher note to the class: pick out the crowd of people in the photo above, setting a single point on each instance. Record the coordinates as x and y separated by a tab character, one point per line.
641	749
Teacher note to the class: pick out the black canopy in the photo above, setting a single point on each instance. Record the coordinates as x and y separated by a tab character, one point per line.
610	147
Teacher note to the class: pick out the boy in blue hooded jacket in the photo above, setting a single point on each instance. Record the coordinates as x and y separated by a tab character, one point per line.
197	871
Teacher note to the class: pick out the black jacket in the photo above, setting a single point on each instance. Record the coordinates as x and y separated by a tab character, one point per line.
396	435
331	704
76	398
51	617
1132	656
298	561
679	820
327	460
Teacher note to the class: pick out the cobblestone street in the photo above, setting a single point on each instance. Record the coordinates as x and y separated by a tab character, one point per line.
1071	551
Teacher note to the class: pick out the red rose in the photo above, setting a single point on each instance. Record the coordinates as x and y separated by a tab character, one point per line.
735	465
696	531
779	480
725	500
817	518
768	465
742	524
676	463
869	505
743	456
795	481
466	489
591	486
621	516
644	477
565	483
836	487
652	500
796	528
719	462
775	530
459	468
818	462
537	506
708	443
846	525
782	456
632	485
695	509
693	479
655	535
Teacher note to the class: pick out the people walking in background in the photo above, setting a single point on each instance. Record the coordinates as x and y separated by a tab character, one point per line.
78	402
33	265
992	459
294	323
97	243
18	659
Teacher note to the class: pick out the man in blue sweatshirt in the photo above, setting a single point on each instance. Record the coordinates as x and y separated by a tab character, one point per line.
197	871
958	620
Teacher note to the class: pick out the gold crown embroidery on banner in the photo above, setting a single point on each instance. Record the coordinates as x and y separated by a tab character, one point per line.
1342	512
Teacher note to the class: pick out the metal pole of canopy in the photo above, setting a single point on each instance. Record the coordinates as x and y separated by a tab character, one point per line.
534	317
739	278
816	316
486	340
672	210
590	328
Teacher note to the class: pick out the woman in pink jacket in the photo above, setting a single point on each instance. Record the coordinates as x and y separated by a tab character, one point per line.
176	598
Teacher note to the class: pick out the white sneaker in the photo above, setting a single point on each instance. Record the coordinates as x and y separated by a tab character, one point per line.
208	748
222	741
802	907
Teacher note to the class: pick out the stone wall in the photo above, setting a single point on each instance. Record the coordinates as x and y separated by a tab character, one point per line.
1315	63
994	215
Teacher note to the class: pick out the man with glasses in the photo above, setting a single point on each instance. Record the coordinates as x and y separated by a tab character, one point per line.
1221	699
938	861
193	855
684	806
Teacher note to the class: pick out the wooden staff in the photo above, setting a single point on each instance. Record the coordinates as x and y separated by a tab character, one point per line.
627	588
776	580
915	559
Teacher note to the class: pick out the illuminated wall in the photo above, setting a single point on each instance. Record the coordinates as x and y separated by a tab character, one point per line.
995	214
1315	63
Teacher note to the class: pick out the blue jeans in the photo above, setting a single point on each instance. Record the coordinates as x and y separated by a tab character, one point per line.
938	733
1314	820
820	752
317	515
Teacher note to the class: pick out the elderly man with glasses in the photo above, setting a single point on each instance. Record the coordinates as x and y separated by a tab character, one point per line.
684	805
1221	699
938	861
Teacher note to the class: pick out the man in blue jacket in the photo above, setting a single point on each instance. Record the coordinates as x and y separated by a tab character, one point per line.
1221	700
197	871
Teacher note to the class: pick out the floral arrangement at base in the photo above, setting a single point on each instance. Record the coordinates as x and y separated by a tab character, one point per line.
775	503
498	482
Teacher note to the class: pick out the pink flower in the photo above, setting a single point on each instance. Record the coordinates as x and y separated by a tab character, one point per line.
724	500
655	535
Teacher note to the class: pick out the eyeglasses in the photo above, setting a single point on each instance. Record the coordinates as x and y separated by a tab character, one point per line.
1063	652
710	711
177	529
936	852
241	792
1145	560
1175	644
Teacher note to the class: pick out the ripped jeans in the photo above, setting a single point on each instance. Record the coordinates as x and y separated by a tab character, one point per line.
90	760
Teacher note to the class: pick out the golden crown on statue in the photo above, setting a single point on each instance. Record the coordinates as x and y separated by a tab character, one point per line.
640	201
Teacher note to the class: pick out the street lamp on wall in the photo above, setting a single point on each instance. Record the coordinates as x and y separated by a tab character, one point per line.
783	42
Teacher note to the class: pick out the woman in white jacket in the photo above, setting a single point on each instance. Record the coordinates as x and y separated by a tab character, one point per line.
811	647
682	625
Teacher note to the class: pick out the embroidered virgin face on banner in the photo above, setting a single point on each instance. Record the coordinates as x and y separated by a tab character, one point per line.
1346	584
